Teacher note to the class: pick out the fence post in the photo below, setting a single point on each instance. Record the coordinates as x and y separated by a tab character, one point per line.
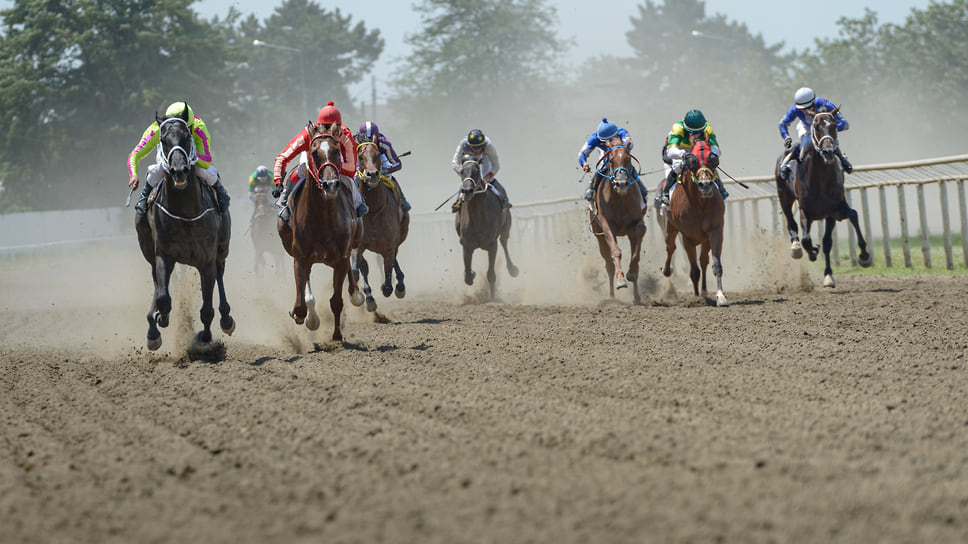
905	239
867	221
964	222
949	262
925	243
888	260
755	211
851	239
775	205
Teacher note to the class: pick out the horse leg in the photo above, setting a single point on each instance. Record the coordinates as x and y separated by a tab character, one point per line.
786	204
401	289
865	258
828	273
615	253
163	269
154	335
340	272
704	265
389	257
606	253
716	246
693	265
491	276
301	272
207	312
635	247
505	233
670	239
364	270
805	223
312	316
226	322
468	273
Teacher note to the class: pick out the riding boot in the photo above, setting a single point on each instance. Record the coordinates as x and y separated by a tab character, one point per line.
222	196
792	156
505	201
667	186
848	168
404	205
592	187
643	190
722	189
141	207
284	203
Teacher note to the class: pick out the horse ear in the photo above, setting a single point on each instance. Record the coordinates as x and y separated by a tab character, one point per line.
158	118
837	109
184	114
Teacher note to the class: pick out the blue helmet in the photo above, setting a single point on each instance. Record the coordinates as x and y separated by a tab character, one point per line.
475	139
606	130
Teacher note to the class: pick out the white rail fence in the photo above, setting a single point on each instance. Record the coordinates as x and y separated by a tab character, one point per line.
878	192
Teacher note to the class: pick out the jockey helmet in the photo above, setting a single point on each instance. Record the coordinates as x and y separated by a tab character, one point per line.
329	115
694	121
177	108
262	173
804	97
475	139
369	130
606	130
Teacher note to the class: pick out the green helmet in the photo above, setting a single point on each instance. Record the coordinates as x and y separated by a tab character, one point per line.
694	121
176	109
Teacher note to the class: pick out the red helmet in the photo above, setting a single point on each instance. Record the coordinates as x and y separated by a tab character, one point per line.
330	114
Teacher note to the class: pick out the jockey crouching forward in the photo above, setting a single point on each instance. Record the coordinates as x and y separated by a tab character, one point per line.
480	148
806	106
204	169
331	122
683	136
369	132
607	136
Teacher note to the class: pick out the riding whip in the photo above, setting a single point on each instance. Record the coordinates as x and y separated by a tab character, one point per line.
446	201
128	201
404	154
741	184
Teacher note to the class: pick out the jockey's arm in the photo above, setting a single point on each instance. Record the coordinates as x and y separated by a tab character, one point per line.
790	116
147	142
298	144
491	153
391	154
458	155
202	142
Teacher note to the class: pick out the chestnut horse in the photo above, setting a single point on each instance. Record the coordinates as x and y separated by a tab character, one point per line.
322	228
817	185
697	211
183	225
618	210
481	222
386	225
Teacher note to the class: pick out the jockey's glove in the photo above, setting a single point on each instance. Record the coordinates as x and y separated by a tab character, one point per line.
276	192
787	143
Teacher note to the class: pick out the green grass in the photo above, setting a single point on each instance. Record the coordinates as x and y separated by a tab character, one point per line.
938	262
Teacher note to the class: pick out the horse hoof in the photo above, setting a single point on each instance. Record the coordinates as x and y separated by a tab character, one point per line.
401	291
513	271
796	250
469	278
296	318
357	299
161	319
370	304
621	284
721	299
866	260
203	337
312	321
828	281
228	325
667	272
154	343
387	290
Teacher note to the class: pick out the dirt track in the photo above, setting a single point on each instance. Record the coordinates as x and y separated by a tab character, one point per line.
795	415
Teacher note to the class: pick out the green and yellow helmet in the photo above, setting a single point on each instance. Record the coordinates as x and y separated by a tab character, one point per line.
176	109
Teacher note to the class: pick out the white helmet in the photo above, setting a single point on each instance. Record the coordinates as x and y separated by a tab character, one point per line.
804	97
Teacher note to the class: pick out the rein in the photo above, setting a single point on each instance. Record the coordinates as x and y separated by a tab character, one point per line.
611	178
165	158
161	207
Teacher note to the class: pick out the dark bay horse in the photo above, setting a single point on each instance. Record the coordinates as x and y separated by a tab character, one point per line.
817	186
262	230
697	211
385	227
183	225
322	228
481	222
618	210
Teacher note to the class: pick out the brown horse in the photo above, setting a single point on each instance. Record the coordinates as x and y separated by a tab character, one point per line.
817	185
697	211
183	225
261	231
618	210
322	228
481	221
386	225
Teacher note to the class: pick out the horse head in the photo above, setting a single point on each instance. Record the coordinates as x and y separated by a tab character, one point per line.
324	159
823	134
177	148
470	173
369	163
620	172
699	166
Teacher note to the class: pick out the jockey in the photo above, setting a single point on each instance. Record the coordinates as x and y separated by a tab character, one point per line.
684	134
479	147
806	106
607	135
204	169
369	132
259	180
330	120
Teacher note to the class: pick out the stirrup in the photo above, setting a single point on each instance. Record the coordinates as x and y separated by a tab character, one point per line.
405	206
284	213
589	194
362	210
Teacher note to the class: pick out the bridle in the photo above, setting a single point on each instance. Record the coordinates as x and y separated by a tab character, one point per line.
165	158
478	184
815	128
614	171
314	171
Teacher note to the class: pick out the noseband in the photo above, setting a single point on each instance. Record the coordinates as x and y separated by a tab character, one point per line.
190	154
478	184
815	128
613	172
314	171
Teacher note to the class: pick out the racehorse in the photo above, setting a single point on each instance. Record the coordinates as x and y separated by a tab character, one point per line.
386	225
697	211
618	210
322	228
817	186
261	230
481	222
183	225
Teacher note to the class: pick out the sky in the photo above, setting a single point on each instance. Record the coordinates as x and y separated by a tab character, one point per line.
776	20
